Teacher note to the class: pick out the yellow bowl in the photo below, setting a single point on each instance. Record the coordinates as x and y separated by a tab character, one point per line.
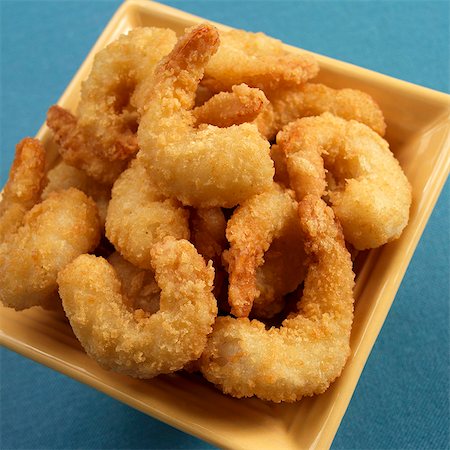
418	130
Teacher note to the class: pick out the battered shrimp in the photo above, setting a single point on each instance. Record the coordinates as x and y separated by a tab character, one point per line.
242	104
257	60
206	166
139	215
105	113
53	233
250	231
23	188
289	104
63	176
309	351
78	151
369	192
134	342
139	286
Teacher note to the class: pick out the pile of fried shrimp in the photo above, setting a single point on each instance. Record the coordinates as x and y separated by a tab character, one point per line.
203	212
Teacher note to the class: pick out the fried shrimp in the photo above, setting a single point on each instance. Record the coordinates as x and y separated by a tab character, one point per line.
368	190
205	166
253	227
258	61
23	188
242	104
79	152
63	176
134	342
106	116
309	351
53	233
139	286
139	215
289	104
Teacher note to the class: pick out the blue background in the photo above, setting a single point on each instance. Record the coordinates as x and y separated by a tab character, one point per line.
402	399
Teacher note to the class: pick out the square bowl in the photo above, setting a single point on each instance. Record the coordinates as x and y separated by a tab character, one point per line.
418	130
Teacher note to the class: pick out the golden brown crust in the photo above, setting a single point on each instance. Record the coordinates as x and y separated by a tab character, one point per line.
134	342
139	216
309	351
52	234
24	186
107	115
366	186
257	60
313	99
206	166
79	152
63	176
242	104
255	224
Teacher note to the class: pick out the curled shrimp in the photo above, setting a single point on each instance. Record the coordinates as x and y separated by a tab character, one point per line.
52	233
131	341
367	188
101	139
63	176
205	166
242	104
139	215
309	351
106	115
24	186
257	60
311	99
79	152
251	230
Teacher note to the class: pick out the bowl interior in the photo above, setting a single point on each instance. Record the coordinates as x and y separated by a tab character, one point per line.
418	130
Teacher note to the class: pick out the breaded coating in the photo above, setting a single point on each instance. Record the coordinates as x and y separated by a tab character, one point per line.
255	224
105	113
24	186
258	61
242	104
206	166
53	233
139	216
63	176
367	188
289	104
134	342
139	286
309	351
79	152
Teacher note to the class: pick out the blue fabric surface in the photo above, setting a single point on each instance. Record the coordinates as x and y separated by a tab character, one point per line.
402	399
